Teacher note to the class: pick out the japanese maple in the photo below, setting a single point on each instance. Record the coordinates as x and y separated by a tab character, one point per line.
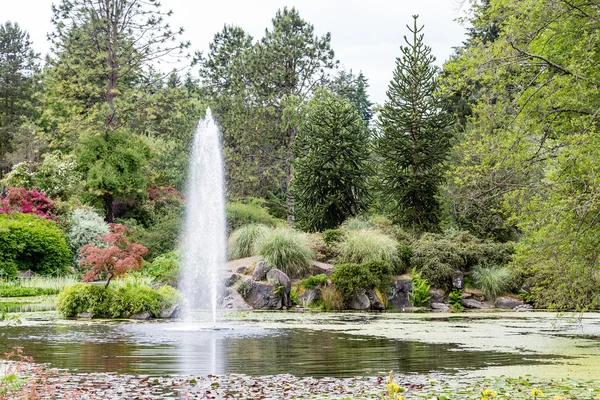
19	199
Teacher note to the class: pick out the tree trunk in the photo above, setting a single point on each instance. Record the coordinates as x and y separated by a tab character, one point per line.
289	170
108	206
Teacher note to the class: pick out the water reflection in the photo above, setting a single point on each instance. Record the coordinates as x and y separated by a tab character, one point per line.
178	349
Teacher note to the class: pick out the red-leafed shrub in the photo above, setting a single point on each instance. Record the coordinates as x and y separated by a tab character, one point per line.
27	202
116	259
166	196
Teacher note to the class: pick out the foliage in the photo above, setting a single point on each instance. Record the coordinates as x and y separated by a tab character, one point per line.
369	245
357	224
108	302
331	155
419	295
350	279
85	226
393	389
436	257
162	236
243	241
286	250
17	291
332	298
164	268
492	280
455	300
29	242
333	236
414	137
240	214
313	281
353	88
25	201
115	258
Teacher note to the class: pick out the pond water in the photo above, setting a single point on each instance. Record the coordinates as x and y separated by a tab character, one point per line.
252	348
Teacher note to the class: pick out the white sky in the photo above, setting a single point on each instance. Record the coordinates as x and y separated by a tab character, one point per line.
366	35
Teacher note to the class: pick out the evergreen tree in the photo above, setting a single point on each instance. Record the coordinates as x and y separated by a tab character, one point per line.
414	137
354	89
331	163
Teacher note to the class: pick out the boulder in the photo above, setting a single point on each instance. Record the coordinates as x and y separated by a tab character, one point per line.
508	302
472	303
374	300
170	312
473	294
322	268
359	301
278	278
437	296
458	280
524	307
261	296
232	300
242	265
398	297
260	271
308	297
84	315
440	307
143	316
230	279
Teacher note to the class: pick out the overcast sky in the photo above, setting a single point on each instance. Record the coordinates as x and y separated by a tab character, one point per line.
365	35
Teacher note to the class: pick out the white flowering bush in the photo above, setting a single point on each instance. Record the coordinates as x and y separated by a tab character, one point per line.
85	226
19	176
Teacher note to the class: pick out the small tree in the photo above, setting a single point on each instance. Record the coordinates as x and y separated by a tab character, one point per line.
414	137
331	163
116	259
19	199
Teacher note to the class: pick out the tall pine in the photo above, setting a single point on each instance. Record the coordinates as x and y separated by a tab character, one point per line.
414	137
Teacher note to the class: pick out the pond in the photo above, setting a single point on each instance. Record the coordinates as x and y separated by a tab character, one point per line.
319	345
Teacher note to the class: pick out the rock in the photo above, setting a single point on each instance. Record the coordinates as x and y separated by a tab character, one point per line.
232	300
474	294
359	301
374	300
524	307
508	302
322	268
309	296
230	279
398	297
260	271
242	265
472	303
143	316
466	295
261	296
440	307
458	280
437	296
170	312
84	315
277	277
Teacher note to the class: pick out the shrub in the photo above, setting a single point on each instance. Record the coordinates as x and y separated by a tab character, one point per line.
369	245
419	296
239	214
350	279
492	280
29	242
287	250
313	281
332	298
85	226
164	268
109	302
160	237
115	259
243	241
455	300
333	236
26	201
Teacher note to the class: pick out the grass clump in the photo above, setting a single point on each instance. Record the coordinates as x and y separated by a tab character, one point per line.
16	291
240	214
286	250
419	296
332	299
492	280
365	246
350	279
243	241
313	281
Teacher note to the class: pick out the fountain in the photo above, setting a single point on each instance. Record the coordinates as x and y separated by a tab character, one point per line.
204	232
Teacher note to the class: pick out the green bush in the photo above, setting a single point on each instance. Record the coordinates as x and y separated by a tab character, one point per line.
164	268
419	296
438	256
29	242
333	236
313	281
240	214
110	302
350	279
455	300
369	245
160	237
242	241
492	280
18	291
286	250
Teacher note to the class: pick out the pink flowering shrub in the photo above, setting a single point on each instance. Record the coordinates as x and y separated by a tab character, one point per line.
118	257
26	201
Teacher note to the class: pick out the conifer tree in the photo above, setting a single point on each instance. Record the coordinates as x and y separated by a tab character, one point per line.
413	139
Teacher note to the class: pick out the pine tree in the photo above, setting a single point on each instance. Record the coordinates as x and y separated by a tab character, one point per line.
354	89
413	142
331	163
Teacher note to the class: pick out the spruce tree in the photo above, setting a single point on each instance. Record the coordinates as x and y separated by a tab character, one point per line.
414	137
331	163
